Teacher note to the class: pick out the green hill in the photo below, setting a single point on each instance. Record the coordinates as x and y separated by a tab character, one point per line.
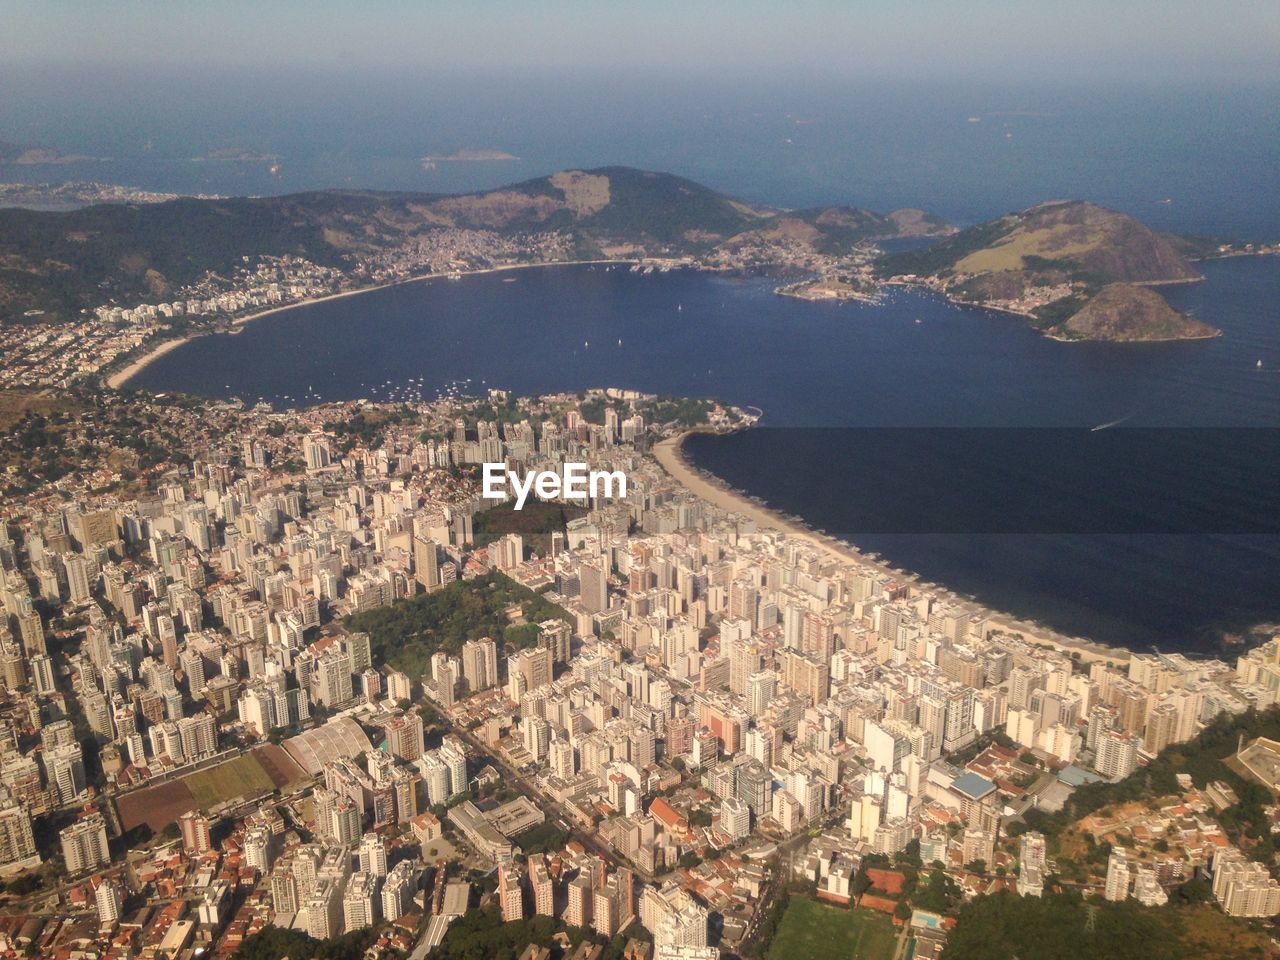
1052	261
1123	312
64	262
1078	239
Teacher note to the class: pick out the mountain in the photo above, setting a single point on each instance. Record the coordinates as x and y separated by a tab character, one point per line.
1074	237
64	262
1123	312
1050	261
837	230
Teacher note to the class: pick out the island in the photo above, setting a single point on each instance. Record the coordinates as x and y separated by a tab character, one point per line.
467	155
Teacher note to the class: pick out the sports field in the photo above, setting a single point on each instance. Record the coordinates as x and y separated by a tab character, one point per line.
812	929
264	768
240	777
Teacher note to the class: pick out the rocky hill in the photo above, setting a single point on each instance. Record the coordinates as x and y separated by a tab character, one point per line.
1050	261
1123	312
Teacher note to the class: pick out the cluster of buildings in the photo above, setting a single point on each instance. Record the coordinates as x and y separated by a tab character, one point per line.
706	687
62	354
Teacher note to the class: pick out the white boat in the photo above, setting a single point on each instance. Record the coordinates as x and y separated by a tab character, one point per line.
1259	364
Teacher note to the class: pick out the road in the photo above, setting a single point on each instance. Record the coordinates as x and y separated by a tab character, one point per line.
529	789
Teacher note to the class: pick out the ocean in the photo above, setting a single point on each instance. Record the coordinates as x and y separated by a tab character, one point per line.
1196	158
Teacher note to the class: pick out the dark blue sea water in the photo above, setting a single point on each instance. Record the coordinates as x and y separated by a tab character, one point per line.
913	362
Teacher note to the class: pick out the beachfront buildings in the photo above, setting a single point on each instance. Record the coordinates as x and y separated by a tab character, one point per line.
691	678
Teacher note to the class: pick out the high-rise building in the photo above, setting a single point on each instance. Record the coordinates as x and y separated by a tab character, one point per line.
1243	887
594	592
753	785
455	758
544	891
577	911
84	844
315	452
480	664
361	905
556	636
404	735
284	892
1117	754
373	855
1031	864
397	890
426	562
323	910
761	688
17	842
64	765
510	894
735	818
527	671
109	902
604	912
78	585
332	679
1162	728
1118	876
561	759
259	847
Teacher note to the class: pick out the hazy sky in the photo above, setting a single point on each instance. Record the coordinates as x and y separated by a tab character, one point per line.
1070	40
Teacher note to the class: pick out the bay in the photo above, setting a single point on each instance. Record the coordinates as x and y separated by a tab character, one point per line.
914	361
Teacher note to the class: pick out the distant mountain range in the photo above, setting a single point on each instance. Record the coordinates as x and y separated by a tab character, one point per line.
1048	262
63	262
1078	270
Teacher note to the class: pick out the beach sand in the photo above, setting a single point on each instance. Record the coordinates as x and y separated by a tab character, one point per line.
670	455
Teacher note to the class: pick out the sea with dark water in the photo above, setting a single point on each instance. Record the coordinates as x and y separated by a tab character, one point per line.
1124	493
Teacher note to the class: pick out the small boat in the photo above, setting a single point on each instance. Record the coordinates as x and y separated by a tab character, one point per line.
1259	364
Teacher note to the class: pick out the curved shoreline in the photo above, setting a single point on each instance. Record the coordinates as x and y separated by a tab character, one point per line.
121	377
671	457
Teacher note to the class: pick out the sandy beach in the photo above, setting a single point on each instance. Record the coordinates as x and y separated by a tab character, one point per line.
118	379
670	454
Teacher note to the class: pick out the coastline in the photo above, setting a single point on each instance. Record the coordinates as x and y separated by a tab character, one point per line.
121	377
669	453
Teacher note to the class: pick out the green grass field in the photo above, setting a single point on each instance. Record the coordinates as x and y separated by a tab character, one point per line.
227	781
812	929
